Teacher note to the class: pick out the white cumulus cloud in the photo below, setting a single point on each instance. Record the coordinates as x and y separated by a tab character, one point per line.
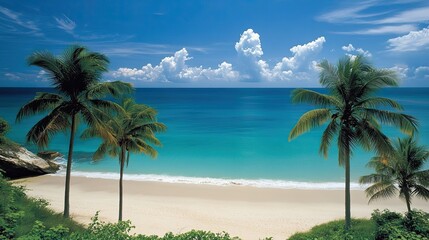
249	44
401	70
422	72
175	69
413	41
352	51
250	66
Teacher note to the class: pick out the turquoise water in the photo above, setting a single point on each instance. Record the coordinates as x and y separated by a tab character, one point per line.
215	134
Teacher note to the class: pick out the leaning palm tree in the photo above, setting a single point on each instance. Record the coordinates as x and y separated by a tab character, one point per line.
350	109
134	131
75	77
401	170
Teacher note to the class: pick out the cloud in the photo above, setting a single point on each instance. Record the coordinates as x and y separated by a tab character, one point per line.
12	76
414	41
401	70
249	44
352	14
352	51
397	29
400	18
17	23
250	67
175	69
422	72
42	76
409	16
66	24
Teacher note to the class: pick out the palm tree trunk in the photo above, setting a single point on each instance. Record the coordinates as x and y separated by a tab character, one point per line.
121	174
407	199
347	194
68	170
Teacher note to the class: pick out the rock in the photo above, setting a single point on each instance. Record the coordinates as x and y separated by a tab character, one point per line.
20	162
49	155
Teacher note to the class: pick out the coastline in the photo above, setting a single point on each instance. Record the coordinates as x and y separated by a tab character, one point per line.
244	211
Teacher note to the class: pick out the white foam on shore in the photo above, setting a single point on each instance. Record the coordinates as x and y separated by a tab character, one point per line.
259	183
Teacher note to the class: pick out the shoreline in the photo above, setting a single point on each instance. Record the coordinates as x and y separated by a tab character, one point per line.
212	181
243	211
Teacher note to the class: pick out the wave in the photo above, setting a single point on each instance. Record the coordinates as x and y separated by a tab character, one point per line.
259	183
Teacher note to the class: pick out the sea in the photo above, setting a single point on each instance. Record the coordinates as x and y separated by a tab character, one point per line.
222	136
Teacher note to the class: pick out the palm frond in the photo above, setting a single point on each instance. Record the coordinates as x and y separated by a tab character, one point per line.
44	129
421	192
309	120
371	136
93	117
422	177
406	123
51	64
374	178
327	137
381	190
116	89
374	102
101	151
108	107
329	74
41	103
313	97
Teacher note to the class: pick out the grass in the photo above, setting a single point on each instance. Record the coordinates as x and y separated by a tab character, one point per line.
362	229
19	213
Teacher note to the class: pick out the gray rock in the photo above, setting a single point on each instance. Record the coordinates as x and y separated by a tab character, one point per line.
20	162
49	155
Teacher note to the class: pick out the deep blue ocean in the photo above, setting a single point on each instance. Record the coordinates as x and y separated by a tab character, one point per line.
223	136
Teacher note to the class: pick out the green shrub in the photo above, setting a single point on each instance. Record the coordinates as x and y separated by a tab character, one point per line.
121	231
23	217
4	127
391	225
40	232
362	229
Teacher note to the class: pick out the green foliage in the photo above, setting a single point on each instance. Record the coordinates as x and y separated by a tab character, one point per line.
351	112
40	232
133	130
102	230
121	231
80	96
390	225
361	229
6	144
4	127
399	171
23	217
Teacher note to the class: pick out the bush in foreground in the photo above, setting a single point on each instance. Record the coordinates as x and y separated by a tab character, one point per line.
23	217
362	229
392	225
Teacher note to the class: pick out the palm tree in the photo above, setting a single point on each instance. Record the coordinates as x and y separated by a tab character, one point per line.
76	78
134	131
400	170
351	112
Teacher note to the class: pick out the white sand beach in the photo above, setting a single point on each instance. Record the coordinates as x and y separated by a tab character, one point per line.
247	212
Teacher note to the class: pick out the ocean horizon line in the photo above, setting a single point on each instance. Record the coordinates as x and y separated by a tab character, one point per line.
208	87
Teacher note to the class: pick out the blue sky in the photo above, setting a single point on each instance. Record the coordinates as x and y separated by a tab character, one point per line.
220	43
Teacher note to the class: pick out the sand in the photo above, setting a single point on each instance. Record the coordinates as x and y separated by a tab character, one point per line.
247	212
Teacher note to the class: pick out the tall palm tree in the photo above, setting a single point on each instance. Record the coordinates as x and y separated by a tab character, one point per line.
350	109
134	131
401	170
76	78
